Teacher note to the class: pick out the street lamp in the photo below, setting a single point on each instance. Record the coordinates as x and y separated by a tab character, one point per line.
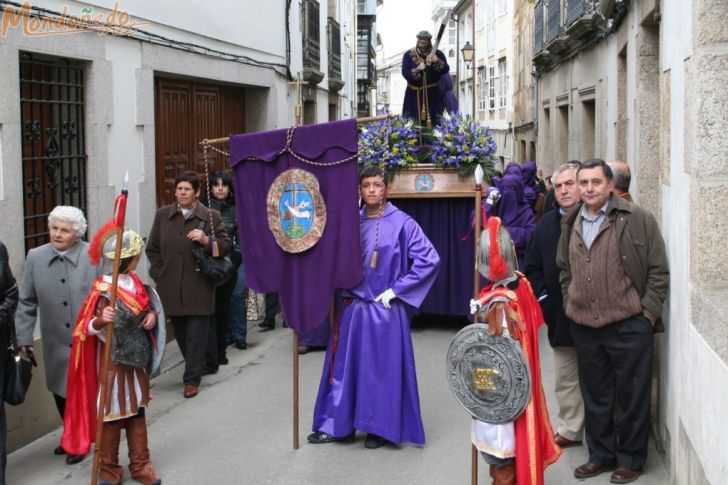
468	51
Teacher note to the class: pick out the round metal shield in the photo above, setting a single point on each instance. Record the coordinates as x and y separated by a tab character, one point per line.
488	375
159	331
296	210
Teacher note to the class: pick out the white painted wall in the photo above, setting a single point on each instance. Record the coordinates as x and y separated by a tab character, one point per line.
697	379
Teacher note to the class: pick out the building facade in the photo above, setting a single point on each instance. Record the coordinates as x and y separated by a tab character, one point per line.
643	81
366	56
137	87
524	83
491	92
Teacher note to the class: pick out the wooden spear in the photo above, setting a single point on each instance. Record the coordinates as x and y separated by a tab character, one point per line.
119	217
476	292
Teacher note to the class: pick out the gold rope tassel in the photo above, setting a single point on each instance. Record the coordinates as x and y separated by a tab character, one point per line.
375	253
215	248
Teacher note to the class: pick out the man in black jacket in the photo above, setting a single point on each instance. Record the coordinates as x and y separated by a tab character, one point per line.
543	273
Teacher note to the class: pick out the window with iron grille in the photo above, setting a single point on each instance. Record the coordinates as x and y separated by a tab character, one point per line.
491	87
334	47
311	35
53	140
452	32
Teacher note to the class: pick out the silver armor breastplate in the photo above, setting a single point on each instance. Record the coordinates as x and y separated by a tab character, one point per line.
131	343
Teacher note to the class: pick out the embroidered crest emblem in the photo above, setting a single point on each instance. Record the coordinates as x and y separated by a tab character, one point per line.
296	210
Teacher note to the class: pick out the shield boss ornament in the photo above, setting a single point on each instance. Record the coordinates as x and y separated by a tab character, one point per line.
488	375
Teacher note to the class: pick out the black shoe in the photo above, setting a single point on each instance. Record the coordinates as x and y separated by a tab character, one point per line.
373	441
73	459
223	361
266	326
208	370
321	437
59	451
241	345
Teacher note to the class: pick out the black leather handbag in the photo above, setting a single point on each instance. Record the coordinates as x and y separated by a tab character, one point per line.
17	374
217	270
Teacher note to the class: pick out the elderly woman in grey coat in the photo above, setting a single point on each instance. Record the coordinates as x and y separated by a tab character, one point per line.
56	279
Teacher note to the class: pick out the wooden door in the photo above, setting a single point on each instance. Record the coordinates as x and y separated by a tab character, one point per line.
187	112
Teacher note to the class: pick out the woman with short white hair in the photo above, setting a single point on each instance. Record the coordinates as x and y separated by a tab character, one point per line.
56	279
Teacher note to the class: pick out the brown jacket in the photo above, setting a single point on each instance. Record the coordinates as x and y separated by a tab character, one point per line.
184	290
641	249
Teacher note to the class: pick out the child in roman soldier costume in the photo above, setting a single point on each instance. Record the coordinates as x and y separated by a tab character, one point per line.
137	346
517	451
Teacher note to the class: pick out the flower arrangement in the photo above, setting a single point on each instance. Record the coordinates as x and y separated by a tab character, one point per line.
463	143
390	143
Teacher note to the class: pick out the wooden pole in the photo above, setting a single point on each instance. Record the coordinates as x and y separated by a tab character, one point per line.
366	119
295	390
103	380
476	291
298	113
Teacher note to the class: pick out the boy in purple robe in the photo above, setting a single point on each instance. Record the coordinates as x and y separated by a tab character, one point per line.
369	381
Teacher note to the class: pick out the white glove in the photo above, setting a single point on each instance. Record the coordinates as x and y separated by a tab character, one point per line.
474	306
492	197
386	298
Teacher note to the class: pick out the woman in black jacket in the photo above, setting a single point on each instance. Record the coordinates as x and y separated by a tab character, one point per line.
8	304
223	200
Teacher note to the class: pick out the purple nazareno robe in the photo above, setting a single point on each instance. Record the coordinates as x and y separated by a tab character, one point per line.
373	385
530	186
448	97
423	87
304	281
515	213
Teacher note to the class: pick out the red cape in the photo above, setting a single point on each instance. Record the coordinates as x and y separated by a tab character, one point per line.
535	447
79	421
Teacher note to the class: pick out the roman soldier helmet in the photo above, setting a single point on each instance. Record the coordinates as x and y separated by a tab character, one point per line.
496	252
423	34
104	242
131	245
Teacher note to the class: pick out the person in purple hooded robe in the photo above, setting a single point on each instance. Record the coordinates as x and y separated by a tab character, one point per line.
531	189
422	68
448	97
369	382
515	213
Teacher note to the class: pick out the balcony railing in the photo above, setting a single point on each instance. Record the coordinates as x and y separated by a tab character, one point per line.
578	8
334	31
538	28
311	35
554	20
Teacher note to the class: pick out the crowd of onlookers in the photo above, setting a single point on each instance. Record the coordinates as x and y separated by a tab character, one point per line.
595	260
58	276
598	267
